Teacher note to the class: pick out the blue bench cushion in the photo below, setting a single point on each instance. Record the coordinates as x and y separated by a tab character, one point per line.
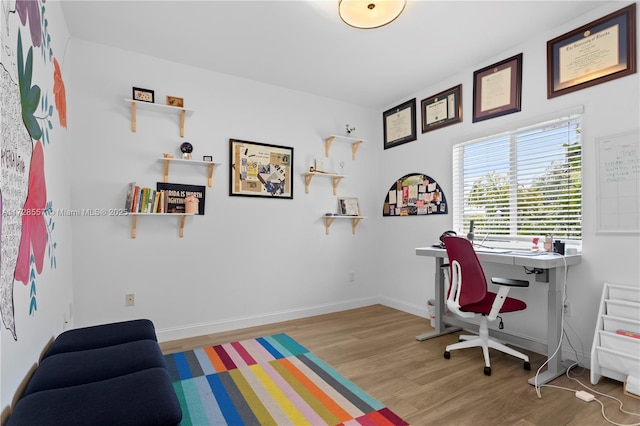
143	398
92	365
100	336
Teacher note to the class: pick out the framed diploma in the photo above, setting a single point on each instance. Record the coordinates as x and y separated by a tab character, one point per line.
497	89
600	51
400	124
442	109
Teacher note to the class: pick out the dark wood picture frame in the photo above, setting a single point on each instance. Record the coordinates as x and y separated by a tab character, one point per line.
497	89
399	124
586	56
142	95
442	109
260	170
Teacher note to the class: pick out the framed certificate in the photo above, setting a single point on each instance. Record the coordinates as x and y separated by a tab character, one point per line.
442	109
400	124
497	89
600	51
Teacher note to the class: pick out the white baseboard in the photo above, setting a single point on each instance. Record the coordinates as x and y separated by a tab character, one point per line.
193	330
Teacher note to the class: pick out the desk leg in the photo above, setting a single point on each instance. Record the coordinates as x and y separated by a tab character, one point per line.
554	332
439	308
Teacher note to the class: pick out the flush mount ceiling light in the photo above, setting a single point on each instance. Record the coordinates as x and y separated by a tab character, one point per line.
369	13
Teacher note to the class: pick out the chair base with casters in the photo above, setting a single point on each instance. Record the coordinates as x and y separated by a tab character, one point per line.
469	297
483	340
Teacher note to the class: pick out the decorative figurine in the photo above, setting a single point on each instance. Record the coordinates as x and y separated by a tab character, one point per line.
349	129
186	148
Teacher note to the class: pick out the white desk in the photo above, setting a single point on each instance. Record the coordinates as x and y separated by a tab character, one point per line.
552	266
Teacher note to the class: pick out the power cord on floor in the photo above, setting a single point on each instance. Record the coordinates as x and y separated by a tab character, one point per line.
585	396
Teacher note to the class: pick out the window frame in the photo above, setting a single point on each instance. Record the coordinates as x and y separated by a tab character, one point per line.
574	145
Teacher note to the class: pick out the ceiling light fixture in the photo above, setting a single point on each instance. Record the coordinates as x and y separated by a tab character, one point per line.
368	14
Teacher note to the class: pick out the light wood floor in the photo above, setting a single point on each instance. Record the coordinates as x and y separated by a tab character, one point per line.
375	347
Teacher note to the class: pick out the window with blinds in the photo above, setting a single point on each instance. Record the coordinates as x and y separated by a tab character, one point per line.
521	184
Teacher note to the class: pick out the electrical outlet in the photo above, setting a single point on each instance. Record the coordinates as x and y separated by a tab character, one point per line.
566	309
129	299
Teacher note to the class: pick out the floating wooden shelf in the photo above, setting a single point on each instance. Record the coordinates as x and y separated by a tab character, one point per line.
335	180
355	144
210	165
181	220
182	112
328	220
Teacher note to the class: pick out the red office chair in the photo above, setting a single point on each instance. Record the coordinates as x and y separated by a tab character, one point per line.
470	297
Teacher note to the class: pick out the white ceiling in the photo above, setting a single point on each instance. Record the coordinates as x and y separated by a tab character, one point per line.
303	44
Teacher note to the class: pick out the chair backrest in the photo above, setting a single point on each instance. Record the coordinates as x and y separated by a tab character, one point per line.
464	262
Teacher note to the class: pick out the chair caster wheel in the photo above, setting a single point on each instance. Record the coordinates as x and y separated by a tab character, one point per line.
447	354
527	365
487	371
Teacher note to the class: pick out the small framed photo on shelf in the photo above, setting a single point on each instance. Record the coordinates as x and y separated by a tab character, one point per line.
208	158
175	101
600	51
497	89
399	124
143	95
348	206
442	109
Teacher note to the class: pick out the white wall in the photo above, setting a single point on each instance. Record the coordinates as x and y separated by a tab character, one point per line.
53	292
251	261
609	109
247	260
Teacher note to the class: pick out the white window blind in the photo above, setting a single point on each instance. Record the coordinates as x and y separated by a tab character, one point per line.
521	184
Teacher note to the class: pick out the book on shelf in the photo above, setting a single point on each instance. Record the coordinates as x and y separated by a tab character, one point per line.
145	200
136	198
129	199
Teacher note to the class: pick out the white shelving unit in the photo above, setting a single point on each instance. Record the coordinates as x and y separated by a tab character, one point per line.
334	177
615	354
355	144
328	220
181	112
182	217
210	165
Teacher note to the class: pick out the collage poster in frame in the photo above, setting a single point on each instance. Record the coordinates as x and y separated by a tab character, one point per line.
260	169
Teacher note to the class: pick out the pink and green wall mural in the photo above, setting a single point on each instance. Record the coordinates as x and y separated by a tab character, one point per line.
33	104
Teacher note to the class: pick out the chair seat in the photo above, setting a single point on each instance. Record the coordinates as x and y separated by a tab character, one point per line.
484	306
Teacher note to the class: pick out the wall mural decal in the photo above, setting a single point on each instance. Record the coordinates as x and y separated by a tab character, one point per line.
28	117
414	194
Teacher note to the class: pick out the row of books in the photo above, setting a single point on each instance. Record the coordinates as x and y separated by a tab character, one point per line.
145	200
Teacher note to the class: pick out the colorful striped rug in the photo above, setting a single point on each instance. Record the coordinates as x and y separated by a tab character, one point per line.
270	380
